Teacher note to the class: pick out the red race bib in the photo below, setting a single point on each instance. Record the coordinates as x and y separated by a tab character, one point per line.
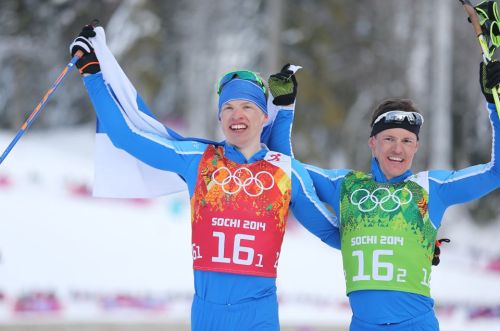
239	213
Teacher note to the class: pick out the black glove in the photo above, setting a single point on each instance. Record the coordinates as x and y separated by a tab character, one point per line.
283	86
486	11
88	63
437	250
489	77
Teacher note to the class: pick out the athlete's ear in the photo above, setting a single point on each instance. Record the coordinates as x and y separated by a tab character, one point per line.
265	119
371	144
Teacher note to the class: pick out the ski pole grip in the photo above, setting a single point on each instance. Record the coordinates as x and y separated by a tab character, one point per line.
473	17
79	53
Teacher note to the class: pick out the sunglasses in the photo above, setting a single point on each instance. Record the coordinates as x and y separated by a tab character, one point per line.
240	74
398	116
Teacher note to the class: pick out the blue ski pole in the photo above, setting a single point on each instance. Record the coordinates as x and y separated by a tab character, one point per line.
41	105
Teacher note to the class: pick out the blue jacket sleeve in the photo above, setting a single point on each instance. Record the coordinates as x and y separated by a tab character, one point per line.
453	187
154	150
280	133
309	210
328	184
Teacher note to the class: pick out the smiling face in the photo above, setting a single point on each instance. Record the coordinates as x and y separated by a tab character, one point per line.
242	122
394	150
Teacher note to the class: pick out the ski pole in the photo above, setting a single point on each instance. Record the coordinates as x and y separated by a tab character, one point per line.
41	104
471	12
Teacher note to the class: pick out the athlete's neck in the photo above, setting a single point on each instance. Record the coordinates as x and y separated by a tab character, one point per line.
249	150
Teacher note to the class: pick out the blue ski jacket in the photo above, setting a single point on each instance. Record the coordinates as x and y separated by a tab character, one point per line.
445	188
183	157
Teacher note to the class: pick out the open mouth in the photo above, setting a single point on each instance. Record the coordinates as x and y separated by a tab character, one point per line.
238	127
395	159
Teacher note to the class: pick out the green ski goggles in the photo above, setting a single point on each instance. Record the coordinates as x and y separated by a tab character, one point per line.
240	74
399	116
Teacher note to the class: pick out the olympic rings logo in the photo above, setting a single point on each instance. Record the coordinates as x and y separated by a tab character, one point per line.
243	178
366	201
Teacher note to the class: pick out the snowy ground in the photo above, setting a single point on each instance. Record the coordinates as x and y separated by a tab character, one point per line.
66	257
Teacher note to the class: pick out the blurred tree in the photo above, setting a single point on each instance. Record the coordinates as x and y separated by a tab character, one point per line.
354	54
34	40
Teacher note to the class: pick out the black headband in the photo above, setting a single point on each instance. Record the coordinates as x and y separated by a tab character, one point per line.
381	126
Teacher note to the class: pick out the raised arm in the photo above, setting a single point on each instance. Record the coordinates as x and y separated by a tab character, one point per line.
152	149
326	182
283	92
280	131
471	183
309	210
123	115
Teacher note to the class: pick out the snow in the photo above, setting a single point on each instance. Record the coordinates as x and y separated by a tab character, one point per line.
130	260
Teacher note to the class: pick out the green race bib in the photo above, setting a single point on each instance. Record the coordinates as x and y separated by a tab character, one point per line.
387	237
